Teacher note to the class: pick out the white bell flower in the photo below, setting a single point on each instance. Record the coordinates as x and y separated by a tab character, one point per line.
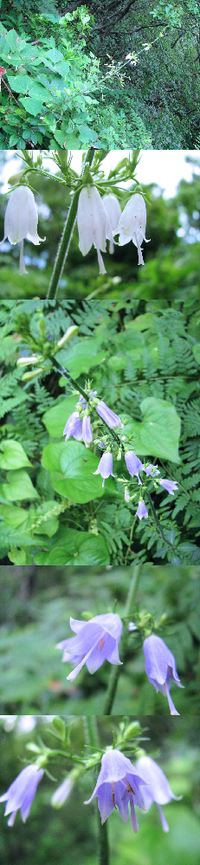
132	224
21	220
113	210
93	223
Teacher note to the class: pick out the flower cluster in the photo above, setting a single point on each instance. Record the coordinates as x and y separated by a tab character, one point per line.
79	423
99	219
119	784
98	639
79	426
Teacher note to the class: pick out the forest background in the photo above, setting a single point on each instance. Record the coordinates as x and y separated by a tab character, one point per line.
65	71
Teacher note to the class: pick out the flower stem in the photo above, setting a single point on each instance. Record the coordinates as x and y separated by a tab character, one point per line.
66	237
92	739
103	843
158	524
91	731
115	672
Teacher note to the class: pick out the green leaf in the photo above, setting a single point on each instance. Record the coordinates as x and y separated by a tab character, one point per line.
51	456
33	106
13	456
56	418
158	434
73	466
19	487
81	357
76	548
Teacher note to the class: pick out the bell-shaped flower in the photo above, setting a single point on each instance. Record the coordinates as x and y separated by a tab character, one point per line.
93	223
142	510
158	789
133	464
96	640
132	224
106	413
160	666
118	784
105	467
21	793
79	428
21	220
113	210
168	485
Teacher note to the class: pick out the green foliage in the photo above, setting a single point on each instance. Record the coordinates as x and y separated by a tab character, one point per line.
147	369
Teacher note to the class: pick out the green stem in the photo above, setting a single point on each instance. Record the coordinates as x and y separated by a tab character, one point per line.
92	739
67	234
158	524
63	246
103	843
91	731
115	672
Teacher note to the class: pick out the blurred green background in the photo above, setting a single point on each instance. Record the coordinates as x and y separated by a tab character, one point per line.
36	604
70	834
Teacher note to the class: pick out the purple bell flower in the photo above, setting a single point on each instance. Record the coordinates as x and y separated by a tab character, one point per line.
158	790
108	415
168	485
87	434
96	640
21	793
133	464
160	666
142	510
73	427
105	467
118	784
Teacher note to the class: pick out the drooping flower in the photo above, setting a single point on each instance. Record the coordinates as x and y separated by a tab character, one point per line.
160	666
168	485
105	467
21	793
73	427
93	223
133	464
132	224
106	413
118	784
158	789
63	791
142	510
113	210
96	640
21	220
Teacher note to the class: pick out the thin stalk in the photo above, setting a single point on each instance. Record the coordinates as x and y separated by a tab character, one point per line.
158	524
67	235
115	672
92	739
